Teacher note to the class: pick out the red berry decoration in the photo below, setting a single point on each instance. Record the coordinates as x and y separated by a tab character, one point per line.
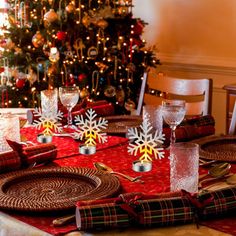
61	35
20	83
81	77
138	28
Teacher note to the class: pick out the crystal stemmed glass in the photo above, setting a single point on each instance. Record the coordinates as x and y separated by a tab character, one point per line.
173	112
69	97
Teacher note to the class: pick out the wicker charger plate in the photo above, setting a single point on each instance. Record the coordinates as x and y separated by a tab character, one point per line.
51	189
120	124
222	148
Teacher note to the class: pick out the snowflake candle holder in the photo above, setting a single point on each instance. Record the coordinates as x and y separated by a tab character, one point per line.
48	123
90	129
145	144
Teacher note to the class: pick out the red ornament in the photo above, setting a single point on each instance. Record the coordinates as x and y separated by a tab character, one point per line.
61	35
20	83
81	77
138	28
137	42
2	69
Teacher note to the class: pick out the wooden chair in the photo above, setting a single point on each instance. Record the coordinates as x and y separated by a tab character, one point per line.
232	125
196	92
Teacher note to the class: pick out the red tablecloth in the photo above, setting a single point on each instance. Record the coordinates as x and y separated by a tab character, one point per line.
114	154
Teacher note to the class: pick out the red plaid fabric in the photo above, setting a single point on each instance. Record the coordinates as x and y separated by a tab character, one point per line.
39	154
189	132
9	161
138	209
197	121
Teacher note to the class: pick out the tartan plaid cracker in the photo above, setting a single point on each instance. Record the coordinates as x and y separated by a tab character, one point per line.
224	201
165	212
106	215
144	210
9	161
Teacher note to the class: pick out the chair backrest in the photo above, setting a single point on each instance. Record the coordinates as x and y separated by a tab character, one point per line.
196	92
232	125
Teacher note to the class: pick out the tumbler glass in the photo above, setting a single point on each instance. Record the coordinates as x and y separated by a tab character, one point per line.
184	165
154	115
49	101
10	129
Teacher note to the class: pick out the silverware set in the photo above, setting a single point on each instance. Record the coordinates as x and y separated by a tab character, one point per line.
218	176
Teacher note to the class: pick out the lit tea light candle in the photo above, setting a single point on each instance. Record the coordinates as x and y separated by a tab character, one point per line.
142	166
87	149
42	138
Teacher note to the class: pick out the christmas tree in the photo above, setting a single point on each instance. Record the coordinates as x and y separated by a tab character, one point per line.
93	44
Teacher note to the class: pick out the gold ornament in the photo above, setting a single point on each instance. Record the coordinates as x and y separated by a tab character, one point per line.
106	12
50	17
123	10
31	76
70	8
102	23
52	70
92	52
130	105
84	93
86	20
38	40
46	48
110	91
120	95
9	44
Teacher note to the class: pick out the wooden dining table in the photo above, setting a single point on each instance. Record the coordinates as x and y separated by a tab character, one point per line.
114	154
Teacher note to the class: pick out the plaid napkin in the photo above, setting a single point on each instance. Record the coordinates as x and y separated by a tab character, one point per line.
196	121
35	154
191	128
9	161
144	210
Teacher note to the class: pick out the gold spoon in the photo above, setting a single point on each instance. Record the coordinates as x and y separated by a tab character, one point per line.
231	180
216	172
107	169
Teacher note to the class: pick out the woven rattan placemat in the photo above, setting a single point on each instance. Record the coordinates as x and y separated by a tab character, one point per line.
222	148
51	189
120	124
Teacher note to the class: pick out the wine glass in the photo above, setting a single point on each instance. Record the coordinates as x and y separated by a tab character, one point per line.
69	97
173	112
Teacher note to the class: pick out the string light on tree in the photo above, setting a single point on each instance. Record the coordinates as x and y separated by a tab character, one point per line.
105	37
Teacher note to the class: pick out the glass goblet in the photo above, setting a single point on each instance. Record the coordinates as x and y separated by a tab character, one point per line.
69	97
173	112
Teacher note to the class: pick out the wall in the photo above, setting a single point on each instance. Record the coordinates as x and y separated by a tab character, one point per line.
195	38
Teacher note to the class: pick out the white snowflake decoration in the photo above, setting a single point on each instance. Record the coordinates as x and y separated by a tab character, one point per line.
48	121
145	142
90	128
